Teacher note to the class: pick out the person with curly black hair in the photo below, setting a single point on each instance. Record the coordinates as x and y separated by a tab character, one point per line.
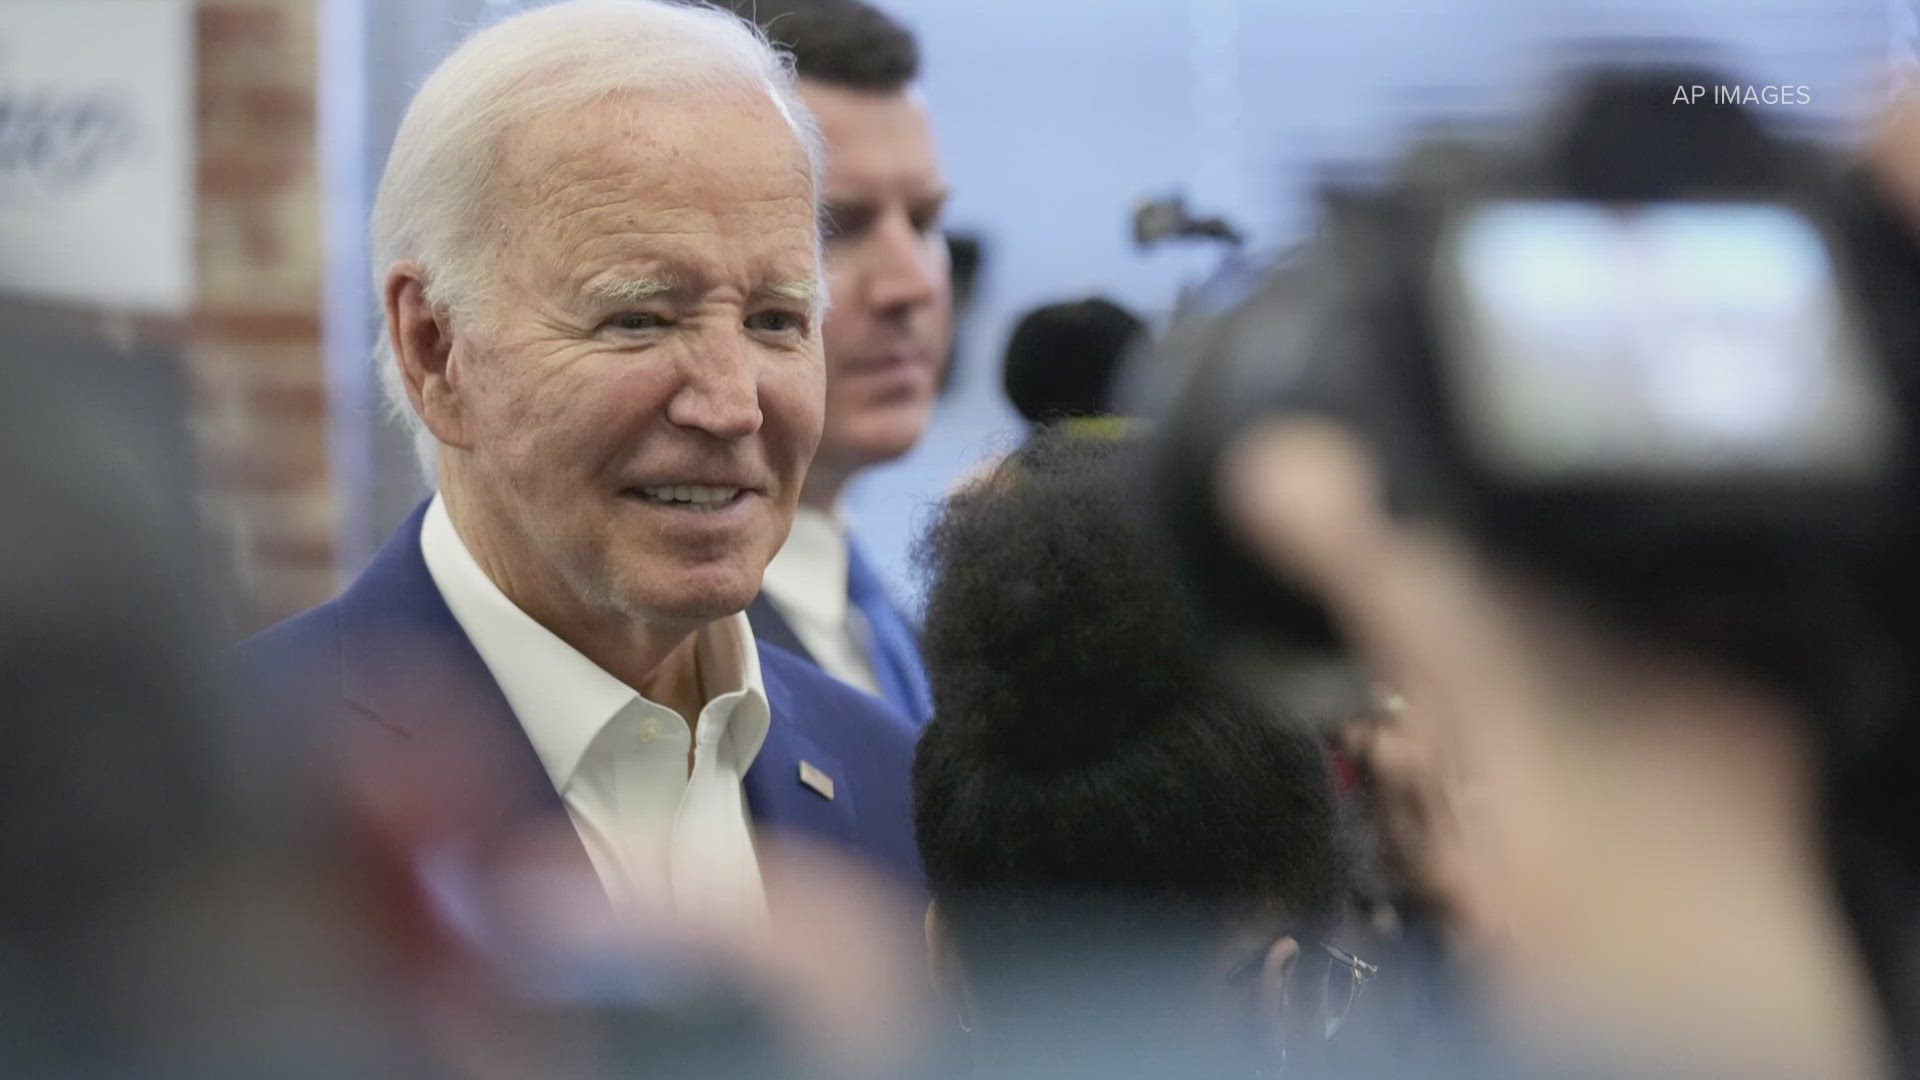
1103	828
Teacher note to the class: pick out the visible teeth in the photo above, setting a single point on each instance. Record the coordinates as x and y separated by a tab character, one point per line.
697	494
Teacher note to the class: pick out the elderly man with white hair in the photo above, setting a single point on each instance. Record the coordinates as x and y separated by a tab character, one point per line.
597	245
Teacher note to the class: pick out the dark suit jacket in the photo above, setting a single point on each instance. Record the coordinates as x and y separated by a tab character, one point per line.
384	674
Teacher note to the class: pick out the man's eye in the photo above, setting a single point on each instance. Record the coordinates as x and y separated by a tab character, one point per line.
636	322
845	223
777	322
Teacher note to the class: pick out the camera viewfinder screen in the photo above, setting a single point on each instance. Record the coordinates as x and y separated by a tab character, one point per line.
1681	340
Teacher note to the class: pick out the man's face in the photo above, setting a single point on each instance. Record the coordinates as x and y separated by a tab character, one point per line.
644	392
890	325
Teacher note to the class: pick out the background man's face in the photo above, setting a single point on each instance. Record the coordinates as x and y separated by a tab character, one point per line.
651	342
890	326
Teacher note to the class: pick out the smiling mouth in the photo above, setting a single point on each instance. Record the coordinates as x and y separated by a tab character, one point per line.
699	497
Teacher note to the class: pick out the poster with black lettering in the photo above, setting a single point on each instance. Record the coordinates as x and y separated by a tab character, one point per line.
96	152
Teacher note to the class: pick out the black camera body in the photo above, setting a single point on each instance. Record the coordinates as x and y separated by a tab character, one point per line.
1658	355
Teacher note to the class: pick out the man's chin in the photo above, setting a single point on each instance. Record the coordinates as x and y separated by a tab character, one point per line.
692	598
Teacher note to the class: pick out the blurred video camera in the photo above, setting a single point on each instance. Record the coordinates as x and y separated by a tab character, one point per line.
1656	354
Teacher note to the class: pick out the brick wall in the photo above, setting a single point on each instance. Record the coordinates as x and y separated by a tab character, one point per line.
253	343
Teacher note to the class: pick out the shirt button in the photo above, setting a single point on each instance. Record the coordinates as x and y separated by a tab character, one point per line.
650	729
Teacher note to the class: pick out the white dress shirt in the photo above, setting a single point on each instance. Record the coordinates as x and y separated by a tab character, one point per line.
807	583
659	836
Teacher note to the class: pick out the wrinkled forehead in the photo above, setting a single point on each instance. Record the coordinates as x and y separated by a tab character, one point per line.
657	142
656	170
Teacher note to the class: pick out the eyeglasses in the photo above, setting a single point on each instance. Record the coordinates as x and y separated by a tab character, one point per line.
1343	979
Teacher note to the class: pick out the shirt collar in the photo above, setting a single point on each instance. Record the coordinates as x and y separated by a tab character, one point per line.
808	577
730	668
562	698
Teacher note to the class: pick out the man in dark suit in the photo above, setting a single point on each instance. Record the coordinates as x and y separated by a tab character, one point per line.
888	334
598	242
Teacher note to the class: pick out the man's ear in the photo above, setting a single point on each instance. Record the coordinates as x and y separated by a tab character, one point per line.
423	346
1276	969
943	964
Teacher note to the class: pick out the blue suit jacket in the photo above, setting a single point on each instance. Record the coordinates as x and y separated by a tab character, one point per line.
386	670
772	628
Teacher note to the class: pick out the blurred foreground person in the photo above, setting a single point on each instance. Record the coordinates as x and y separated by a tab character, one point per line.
1132	873
887	335
170	902
1642	871
1600	451
597	246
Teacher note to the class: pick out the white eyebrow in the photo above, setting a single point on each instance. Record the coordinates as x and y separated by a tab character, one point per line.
800	290
631	290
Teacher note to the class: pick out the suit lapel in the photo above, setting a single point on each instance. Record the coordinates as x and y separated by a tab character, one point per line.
780	794
406	662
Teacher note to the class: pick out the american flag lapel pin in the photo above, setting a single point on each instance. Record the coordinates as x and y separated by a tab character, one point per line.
820	782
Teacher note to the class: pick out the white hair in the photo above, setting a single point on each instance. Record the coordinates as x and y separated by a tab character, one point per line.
432	207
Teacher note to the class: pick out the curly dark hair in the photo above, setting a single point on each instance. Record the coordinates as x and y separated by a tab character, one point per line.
1080	751
845	43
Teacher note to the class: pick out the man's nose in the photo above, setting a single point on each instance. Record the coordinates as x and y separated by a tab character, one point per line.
907	269
719	390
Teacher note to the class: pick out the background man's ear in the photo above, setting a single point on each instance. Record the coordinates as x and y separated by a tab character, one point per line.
423	346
